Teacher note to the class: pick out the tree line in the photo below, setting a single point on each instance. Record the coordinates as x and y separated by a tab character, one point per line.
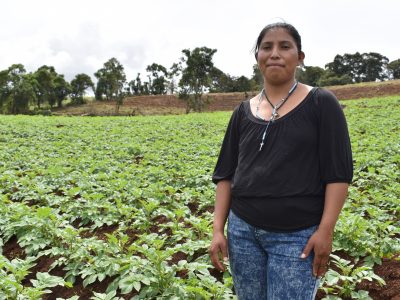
191	77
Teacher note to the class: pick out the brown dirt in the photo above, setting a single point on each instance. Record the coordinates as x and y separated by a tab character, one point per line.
193	206
366	90
177	257
100	232
12	249
155	228
389	271
133	235
227	101
171	104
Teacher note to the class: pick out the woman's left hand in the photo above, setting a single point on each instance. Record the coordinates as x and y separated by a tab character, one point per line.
321	243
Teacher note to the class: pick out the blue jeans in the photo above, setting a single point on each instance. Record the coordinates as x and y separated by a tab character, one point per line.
267	265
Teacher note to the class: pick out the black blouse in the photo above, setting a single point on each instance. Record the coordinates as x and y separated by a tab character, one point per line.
282	187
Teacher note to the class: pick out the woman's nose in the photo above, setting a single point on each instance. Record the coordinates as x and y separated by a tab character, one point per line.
275	52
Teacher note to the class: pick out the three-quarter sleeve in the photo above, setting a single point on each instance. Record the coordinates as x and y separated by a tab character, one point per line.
335	157
228	156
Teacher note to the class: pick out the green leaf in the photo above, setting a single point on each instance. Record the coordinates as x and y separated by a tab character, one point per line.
43	212
89	280
137	285
45	280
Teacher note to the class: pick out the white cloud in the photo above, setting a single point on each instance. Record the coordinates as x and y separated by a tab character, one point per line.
79	36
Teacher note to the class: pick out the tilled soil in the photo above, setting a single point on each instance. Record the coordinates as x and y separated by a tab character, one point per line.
228	101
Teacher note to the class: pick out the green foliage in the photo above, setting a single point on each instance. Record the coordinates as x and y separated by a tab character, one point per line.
128	199
225	83
12	274
329	78
196	76
108	296
79	85
192	77
110	80
257	78
158	80
360	67
45	93
23	93
343	282
310	75
394	68
135	85
62	89
17	90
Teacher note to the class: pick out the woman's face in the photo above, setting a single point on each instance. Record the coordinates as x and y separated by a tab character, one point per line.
278	56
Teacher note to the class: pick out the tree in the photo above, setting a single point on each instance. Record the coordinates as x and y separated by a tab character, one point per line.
17	90
135	85
309	75
172	76
360	67
111	80
225	83
23	94
61	89
394	68
242	84
196	76
45	92
158	80
329	78
4	89
343	65
257	77
220	82
79	85
375	67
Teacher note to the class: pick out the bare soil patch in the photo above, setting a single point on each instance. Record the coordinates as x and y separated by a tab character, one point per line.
389	271
171	104
366	90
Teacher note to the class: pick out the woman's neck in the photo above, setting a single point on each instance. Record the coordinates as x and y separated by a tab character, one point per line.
276	92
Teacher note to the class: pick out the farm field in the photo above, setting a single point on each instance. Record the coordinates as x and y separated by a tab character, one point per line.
121	207
171	104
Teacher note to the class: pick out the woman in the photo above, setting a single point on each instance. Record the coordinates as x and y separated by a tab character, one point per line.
282	178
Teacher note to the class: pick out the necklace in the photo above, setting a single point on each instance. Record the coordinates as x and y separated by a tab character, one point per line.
275	108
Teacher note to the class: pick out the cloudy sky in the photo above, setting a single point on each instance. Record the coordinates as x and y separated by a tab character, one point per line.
78	36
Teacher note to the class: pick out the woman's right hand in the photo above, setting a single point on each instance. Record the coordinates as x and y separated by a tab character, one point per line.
218	248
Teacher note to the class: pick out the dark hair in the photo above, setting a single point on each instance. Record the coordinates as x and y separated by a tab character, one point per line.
290	29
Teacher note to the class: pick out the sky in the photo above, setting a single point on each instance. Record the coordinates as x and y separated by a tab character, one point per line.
79	36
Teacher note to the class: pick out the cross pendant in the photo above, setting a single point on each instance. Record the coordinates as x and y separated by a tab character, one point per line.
275	113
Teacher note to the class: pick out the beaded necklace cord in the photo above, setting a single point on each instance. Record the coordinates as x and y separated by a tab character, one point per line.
275	108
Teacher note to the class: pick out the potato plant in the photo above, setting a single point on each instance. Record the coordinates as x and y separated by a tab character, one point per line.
128	201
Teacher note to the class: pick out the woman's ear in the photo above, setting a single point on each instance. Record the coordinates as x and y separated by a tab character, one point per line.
301	58
256	55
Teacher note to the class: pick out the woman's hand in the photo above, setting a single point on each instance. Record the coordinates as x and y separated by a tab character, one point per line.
219	246
321	240
321	243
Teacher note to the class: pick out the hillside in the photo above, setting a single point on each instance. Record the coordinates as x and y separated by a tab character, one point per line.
171	104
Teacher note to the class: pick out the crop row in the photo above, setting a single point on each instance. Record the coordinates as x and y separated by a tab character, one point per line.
121	208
